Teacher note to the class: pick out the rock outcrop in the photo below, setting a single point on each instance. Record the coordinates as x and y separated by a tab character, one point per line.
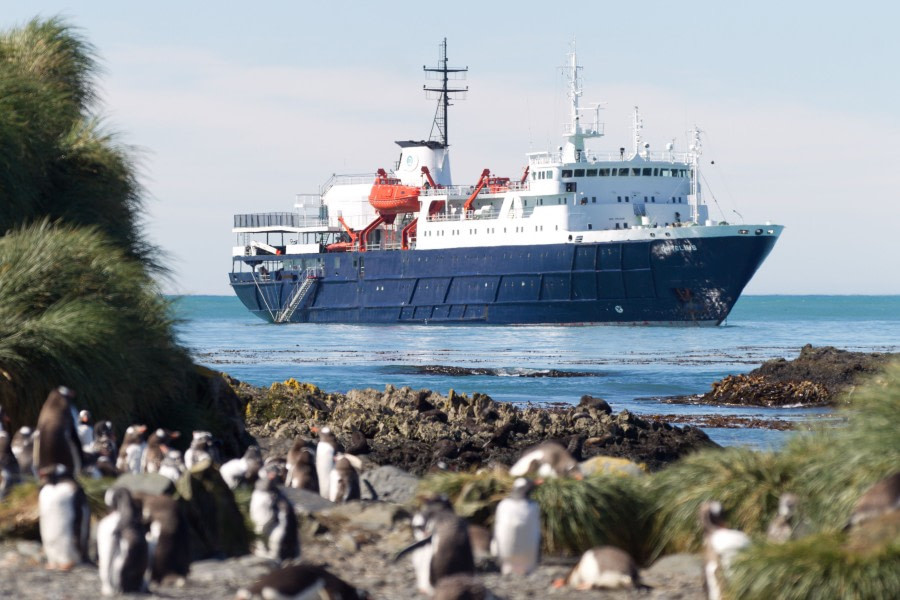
418	429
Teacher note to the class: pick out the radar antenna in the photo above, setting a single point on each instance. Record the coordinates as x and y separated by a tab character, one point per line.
444	93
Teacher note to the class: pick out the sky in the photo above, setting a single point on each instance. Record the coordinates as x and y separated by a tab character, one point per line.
235	108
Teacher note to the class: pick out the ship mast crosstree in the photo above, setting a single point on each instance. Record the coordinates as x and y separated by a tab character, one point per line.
444	93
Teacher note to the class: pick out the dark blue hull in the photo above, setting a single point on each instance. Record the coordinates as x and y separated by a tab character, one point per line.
678	282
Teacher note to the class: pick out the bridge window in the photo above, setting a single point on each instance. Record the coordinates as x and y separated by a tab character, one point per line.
623	172
635	171
591	173
604	172
567	173
579	172
665	173
655	172
646	172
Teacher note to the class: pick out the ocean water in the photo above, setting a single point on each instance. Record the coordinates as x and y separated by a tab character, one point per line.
630	367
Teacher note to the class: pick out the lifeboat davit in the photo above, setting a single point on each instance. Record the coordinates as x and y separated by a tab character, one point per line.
390	197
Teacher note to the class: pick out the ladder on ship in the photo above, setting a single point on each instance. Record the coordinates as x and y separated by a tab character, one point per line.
300	292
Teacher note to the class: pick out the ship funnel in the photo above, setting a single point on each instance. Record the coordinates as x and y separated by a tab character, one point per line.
417	154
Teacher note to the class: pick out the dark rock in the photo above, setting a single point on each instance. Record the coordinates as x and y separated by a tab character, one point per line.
358	444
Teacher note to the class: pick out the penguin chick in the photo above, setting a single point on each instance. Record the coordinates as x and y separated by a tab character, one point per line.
344	484
301	581
157	446
517	530
22	447
122	551
172	465
199	450
782	527
721	546
274	520
547	459
301	472
883	497
131	451
65	518
461	587
605	567
168	539
242	470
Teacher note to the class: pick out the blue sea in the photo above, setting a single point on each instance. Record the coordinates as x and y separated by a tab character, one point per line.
631	367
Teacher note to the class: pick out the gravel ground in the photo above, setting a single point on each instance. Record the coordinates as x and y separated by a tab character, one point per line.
367	564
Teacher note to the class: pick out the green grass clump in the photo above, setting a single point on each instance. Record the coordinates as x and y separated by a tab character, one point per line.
747	483
819	566
575	514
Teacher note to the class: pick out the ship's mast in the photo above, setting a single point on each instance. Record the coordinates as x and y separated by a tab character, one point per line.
574	131
696	149
636	127
444	74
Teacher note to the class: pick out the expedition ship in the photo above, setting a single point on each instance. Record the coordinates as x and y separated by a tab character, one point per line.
581	237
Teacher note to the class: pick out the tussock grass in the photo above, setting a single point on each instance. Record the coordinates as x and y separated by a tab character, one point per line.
575	514
746	482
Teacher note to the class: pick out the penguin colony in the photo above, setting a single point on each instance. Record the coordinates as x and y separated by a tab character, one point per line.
144	539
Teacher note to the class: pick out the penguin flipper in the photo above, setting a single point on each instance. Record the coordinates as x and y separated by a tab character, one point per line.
371	488
414	546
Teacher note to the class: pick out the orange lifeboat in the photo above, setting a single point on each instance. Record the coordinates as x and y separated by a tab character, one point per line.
390	197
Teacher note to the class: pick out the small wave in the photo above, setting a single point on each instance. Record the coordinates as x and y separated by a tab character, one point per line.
455	371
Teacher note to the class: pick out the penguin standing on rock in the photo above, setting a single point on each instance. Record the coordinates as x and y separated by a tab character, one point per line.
721	546
274	520
517	530
122	551
605	567
242	470
65	518
22	447
326	450
157	447
172	465
85	428
201	449
302	581
57	441
344	484
301	471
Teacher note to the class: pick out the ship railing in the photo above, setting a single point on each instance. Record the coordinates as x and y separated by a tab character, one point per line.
277	219
346	180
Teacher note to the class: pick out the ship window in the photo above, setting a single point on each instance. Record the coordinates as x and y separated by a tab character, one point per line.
646	172
655	172
665	173
623	172
556	228
590	226
579	172
591	172
673	199
620	198
567	173
635	171
627	199
526	203
593	199
654	198
645	198
604	172
617	225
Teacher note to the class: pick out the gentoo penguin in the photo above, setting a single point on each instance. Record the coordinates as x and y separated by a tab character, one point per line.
480	538
547	459
22	447
517	530
277	465
242	470
605	567
461	587
782	527
200	449
344	484
301	472
327	447
300	582
131	451
721	546
168	539
274	520
85	428
57	441
65	518
9	466
122	551
446	545
172	465
883	497
157	446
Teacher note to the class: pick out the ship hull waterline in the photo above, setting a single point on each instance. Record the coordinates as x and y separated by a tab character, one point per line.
686	281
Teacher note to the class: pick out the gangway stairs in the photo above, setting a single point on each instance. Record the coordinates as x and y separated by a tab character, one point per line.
309	282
